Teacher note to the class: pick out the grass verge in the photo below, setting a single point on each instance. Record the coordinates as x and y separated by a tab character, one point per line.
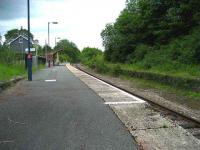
116	71
11	71
154	85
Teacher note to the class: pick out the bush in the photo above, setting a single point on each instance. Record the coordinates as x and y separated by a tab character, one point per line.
139	53
153	59
64	58
97	63
100	65
116	70
90	63
186	49
88	53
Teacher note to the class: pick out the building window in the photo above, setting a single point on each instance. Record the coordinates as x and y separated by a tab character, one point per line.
20	40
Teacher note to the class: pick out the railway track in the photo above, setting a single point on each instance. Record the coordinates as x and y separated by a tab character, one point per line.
188	123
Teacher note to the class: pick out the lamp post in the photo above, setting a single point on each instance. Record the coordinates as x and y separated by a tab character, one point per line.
57	38
57	57
29	45
49	31
46	51
49	37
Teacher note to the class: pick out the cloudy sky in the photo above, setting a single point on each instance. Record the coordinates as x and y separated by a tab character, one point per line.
80	21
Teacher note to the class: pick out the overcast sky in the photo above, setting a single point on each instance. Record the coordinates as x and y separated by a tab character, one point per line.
80	21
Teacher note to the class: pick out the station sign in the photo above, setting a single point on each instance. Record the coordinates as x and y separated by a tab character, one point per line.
31	49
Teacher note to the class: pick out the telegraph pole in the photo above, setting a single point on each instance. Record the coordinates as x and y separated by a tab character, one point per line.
29	46
46	51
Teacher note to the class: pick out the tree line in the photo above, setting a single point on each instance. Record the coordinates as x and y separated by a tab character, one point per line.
154	28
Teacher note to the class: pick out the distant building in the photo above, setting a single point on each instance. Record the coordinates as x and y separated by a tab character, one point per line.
20	44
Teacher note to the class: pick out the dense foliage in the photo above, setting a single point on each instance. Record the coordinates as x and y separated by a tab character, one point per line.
154	29
89	53
93	58
69	52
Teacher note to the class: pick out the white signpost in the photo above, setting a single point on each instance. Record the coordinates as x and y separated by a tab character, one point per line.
31	50
34	58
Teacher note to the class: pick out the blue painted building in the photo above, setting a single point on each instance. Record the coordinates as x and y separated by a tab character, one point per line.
19	44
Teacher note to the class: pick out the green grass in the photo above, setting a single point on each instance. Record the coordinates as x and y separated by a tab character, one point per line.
147	84
173	69
169	68
10	71
12	64
193	94
155	85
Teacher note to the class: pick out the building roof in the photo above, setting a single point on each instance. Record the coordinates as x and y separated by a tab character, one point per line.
18	38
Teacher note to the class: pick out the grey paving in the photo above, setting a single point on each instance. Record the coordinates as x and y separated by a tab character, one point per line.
62	115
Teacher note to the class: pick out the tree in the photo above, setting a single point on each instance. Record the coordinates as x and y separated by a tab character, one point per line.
14	33
69	50
111	39
88	53
46	48
40	50
148	22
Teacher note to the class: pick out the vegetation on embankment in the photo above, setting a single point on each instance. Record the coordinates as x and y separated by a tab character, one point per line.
12	64
155	40
184	80
154	32
10	71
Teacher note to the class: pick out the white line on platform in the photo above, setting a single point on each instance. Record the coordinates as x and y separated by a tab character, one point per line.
50	80
122	103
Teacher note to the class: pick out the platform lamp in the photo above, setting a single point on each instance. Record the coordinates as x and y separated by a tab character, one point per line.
49	31
57	38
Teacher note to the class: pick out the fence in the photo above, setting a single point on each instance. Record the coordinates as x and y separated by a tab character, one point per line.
9	57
